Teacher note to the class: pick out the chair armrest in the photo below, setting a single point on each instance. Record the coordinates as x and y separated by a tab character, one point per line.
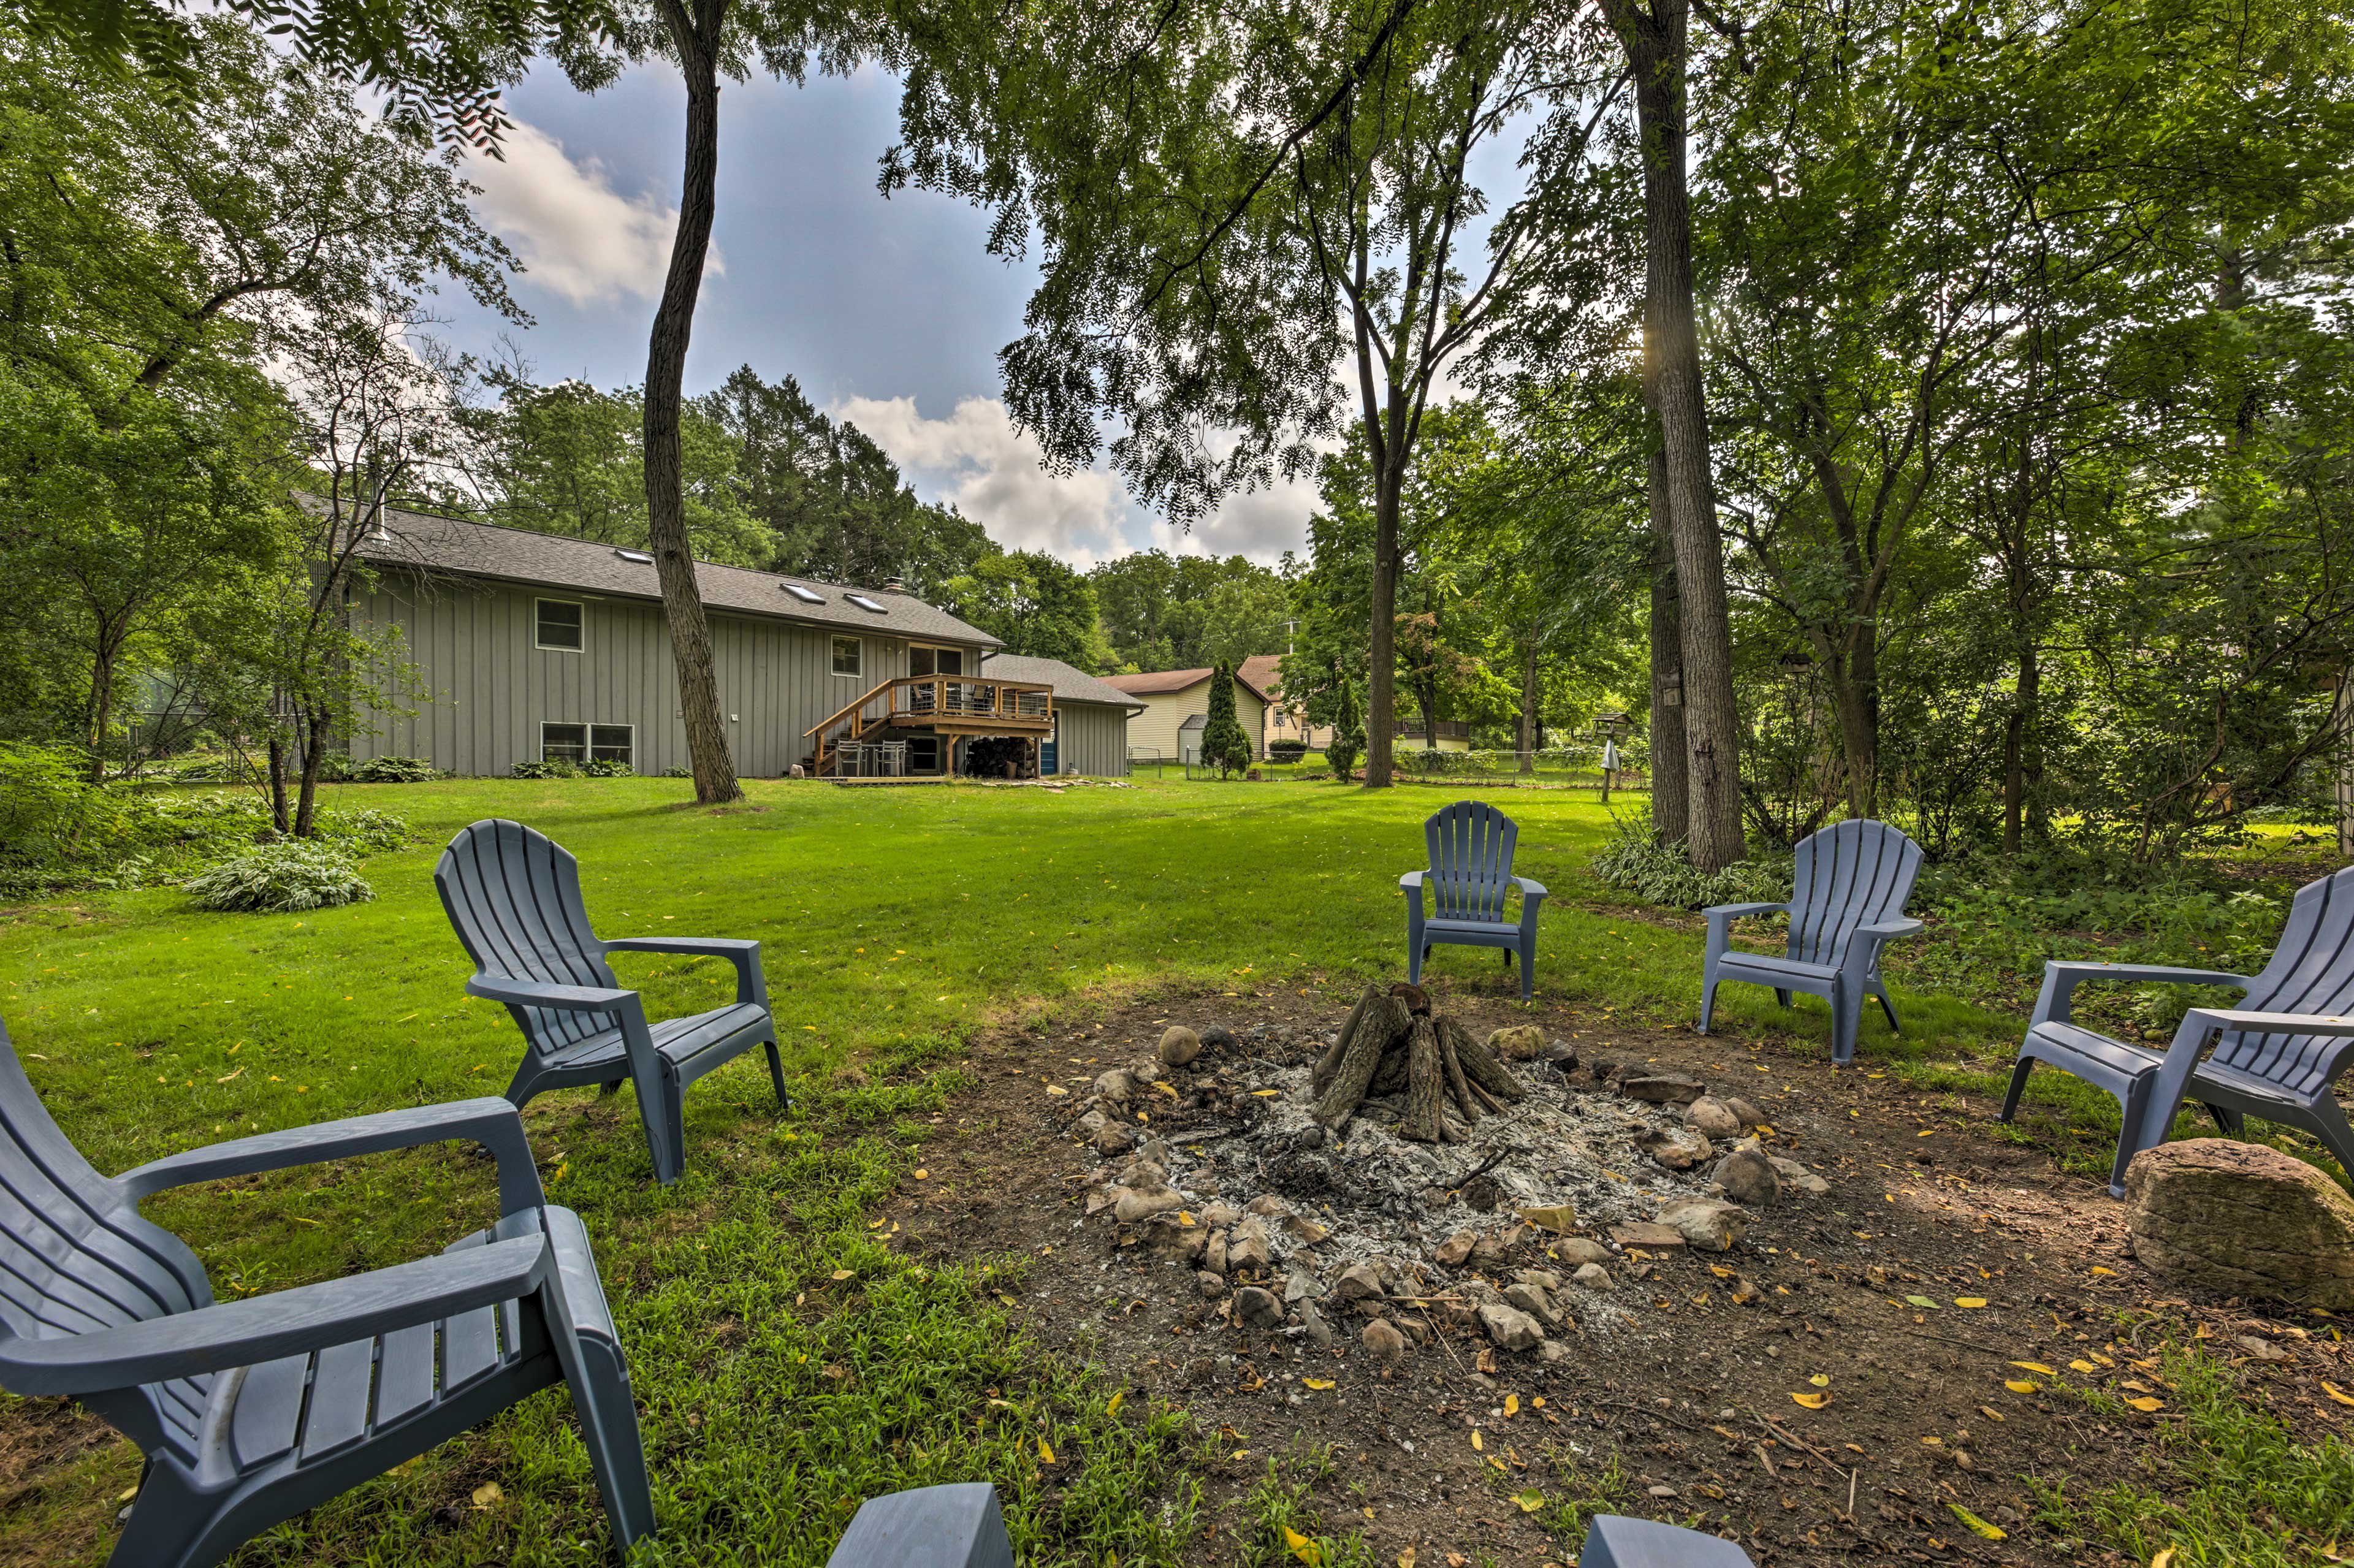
547	993
2242	1022
283	1323
2061	976
1889	930
1412	881
1529	888
744	953
1721	917
491	1122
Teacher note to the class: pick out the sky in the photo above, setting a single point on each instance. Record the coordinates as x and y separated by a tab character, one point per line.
889	313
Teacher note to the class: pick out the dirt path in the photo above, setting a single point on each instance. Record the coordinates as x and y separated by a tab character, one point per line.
1691	1393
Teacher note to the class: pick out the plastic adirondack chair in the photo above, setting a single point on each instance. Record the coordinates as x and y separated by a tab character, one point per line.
252	1411
954	1526
1614	1541
1846	903
515	896
1469	876
2275	1055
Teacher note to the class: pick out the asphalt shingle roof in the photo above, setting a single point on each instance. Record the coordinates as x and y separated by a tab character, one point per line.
1071	684
1156	682
419	539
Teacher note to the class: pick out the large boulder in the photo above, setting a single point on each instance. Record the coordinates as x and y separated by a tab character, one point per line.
2240	1219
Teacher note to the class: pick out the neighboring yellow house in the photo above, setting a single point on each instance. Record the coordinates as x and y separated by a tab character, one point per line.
1283	721
1176	707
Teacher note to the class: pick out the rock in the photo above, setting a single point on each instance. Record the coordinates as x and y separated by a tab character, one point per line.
1662	1086
1608	1064
1100	1199
1750	1115
1483	1192
1320	1332
1553	1353
1300	1285
1511	1328
1713	1119
1674	1148
1748	1176
1116	1084
1169	1239
1558	1218
1142	1173
1545	1279
1644	1234
1452	1252
1267	1204
1745	1292
1220	1213
1257	1309
1211	1286
1359	1282
1179	1045
1303	1230
1382	1339
1578	1251
1592	1276
1135	1203
1213	1253
1310	1137
1494	1251
1796	1177
1114	1138
1156	1151
1517	1043
1218	1037
1537	1304
1089	1124
1246	1248
1707	1223
2242	1219
1561	1055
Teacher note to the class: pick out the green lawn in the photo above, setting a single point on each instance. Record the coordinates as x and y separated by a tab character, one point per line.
896	922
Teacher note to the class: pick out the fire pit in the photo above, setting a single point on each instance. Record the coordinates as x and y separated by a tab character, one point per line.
1403	1171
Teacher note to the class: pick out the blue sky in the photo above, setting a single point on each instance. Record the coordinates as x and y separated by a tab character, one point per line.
890	312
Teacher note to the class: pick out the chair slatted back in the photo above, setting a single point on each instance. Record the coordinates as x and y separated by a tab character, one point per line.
1471	846
2312	971
1856	873
75	1256
515	896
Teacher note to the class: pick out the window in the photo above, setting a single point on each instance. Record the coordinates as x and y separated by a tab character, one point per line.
578	743
863	602
639	556
805	595
846	652
558	625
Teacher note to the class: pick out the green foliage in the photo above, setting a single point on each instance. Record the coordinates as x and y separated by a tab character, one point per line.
1188	612
1638	861
1035	605
393	771
276	879
554	768
1224	746
1347	721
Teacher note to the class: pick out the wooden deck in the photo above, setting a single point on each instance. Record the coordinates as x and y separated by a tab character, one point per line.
937	704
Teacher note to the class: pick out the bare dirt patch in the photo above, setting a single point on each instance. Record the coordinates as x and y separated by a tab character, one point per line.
1682	1373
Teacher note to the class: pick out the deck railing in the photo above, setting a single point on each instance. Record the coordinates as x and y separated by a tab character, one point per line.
1026	705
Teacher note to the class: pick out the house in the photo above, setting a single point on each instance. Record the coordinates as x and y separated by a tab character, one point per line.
516	646
1091	716
1284	721
1176	705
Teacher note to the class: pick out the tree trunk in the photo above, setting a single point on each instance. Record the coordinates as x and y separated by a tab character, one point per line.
1381	687
314	758
1671	799
101	714
673	552
1527	737
279	818
1656	53
2017	766
1854	678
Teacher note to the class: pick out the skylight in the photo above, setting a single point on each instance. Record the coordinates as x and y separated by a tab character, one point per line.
863	602
806	596
637	556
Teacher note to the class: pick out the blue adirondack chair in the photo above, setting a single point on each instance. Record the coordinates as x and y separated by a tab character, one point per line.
1469	877
252	1411
953	1526
1614	1541
1847	902
515	896
2275	1055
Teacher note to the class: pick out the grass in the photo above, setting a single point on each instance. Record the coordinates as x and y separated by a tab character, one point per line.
897	924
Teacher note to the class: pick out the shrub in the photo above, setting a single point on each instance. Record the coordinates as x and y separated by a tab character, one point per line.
1348	742
548	769
278	878
392	771
1286	750
607	769
1224	746
1638	861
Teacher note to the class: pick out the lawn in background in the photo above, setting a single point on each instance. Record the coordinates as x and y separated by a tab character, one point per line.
895	922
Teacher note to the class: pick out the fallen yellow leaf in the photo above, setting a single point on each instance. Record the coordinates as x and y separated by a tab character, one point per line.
1113	1408
2165	1557
2020	1385
486	1494
1821	1380
1530	1501
2338	1393
2145	1404
2035	1367
1475	1443
1969	1300
1812	1401
1318	1383
1511	1405
2081	1365
1406	1557
1306	1550
1045	1450
2098	1269
841	1274
1992	1532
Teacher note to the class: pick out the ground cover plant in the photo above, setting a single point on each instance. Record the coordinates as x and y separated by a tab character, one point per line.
791	1355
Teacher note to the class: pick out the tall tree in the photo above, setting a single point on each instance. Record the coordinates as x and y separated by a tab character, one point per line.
1035	605
706	39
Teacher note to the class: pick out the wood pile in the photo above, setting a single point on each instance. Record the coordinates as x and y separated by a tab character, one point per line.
1396	1044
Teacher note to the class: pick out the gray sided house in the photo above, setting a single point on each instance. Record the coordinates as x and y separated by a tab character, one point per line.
1090	717
526	647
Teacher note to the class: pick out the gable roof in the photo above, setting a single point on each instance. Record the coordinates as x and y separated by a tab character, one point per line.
1160	683
422	541
1071	684
1259	671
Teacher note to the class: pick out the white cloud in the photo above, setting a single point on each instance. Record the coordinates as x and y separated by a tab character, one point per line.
575	233
975	459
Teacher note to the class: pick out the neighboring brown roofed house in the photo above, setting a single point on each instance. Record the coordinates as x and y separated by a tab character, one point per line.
1284	721
1177	707
536	646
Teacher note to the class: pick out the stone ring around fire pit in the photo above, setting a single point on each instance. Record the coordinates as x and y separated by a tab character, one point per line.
1402	1172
